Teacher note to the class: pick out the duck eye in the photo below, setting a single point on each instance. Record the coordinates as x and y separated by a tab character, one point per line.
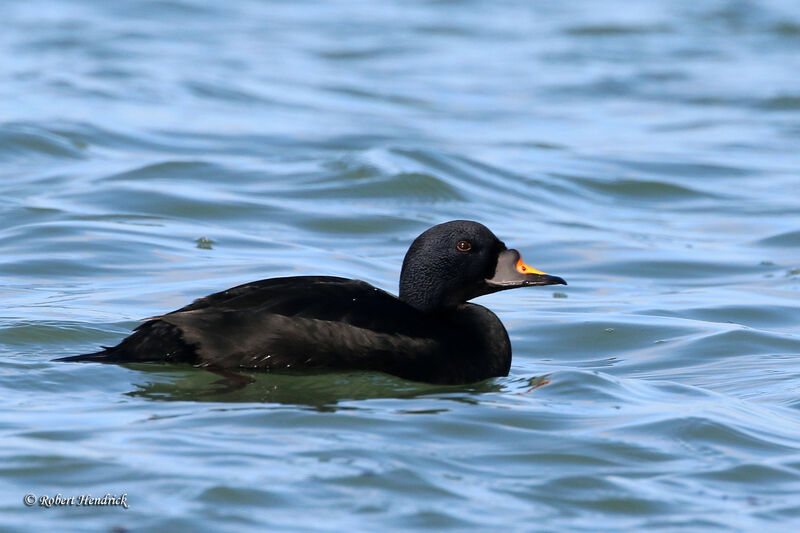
464	246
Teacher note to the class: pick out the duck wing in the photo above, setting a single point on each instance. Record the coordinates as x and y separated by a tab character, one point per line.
305	322
327	298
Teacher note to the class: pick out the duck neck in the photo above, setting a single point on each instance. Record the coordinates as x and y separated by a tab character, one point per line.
422	300
429	285
424	294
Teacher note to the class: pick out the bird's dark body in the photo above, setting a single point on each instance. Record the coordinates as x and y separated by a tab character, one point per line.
321	323
427	333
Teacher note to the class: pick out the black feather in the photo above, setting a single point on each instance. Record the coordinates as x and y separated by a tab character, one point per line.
428	334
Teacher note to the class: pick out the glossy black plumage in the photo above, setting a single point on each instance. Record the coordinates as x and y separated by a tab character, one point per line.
313	323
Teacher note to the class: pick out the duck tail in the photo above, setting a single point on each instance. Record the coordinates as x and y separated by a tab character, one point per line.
104	356
154	340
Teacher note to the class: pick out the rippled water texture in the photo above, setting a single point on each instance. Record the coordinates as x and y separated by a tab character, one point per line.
152	152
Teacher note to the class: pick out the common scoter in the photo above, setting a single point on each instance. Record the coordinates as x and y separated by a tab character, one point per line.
315	323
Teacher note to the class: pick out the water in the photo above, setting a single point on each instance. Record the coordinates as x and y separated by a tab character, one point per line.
154	152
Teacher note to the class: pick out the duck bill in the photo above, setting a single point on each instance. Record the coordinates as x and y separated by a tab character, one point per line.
512	272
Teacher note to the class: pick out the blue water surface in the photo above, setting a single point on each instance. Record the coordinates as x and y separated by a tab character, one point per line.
152	152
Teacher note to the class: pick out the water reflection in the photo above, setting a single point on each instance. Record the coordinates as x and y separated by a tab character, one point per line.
322	392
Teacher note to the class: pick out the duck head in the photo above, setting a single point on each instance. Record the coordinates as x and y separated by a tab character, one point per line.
454	262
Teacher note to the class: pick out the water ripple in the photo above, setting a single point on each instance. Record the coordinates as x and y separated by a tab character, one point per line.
154	152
